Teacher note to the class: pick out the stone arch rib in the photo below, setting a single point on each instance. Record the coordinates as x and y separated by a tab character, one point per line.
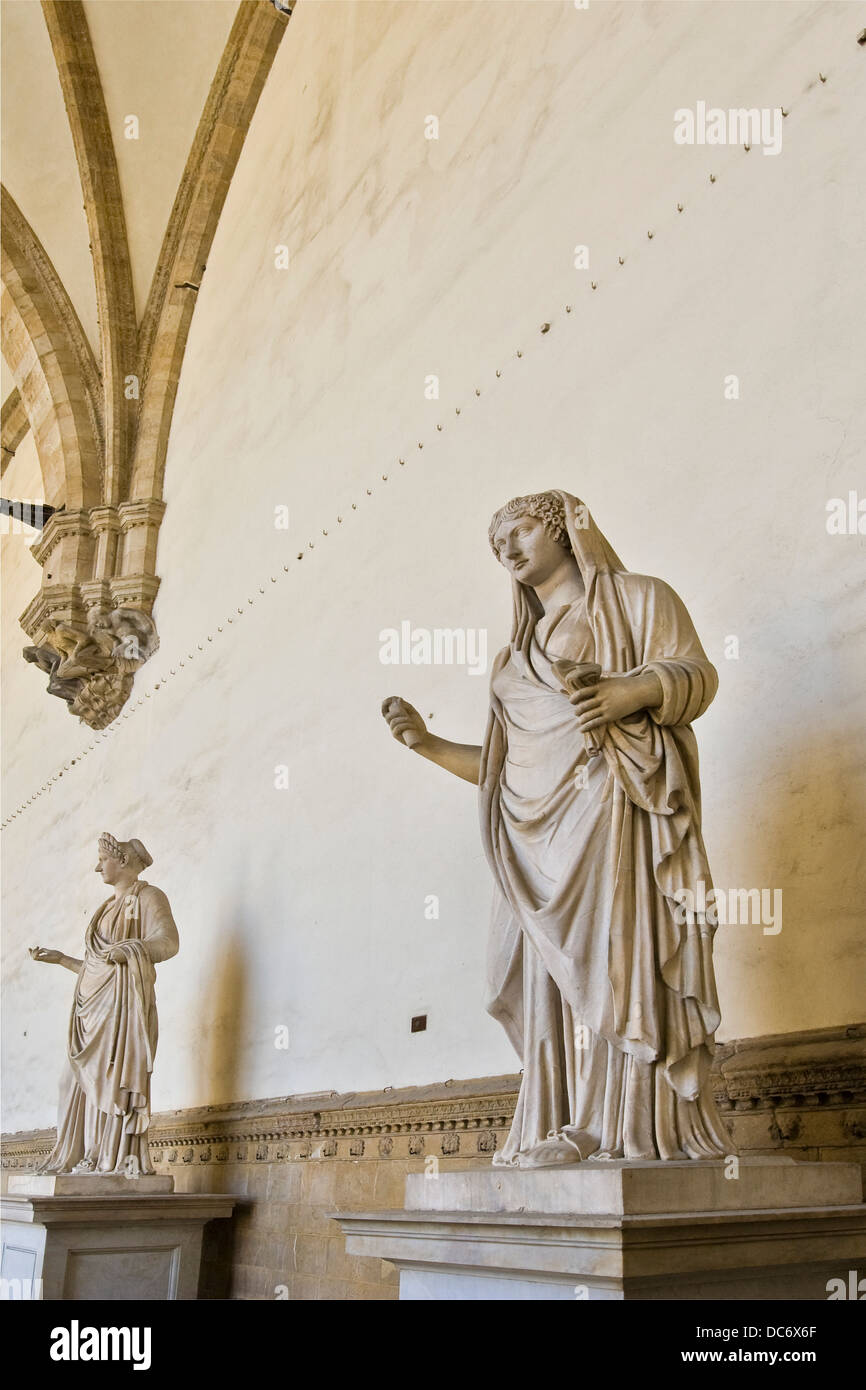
231	102
100	183
15	425
52	363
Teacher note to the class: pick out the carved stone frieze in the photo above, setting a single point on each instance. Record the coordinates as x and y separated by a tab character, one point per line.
812	1073
819	1066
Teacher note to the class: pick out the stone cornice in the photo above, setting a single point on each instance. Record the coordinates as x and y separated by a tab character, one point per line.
53	598
815	1069
818	1066
144	512
75	1211
104	518
136	591
59	525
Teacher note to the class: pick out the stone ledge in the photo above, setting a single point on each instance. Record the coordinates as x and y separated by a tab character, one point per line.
89	1211
817	1071
847	1219
87	1185
623	1231
788	1254
628	1188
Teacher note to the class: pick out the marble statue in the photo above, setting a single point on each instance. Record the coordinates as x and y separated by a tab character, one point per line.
104	1108
590	816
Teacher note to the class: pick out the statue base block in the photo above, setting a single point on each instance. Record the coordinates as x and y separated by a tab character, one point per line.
86	1184
622	1230
103	1237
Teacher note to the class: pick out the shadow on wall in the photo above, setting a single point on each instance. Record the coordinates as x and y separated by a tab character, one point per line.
839	821
223	1023
222	1026
810	843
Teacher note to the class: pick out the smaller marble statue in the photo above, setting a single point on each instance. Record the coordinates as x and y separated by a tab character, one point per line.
104	1110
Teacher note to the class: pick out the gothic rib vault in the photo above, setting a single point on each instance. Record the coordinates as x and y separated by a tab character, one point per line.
101	420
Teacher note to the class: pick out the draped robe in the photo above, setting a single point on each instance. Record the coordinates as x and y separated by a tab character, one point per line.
104	1109
603	982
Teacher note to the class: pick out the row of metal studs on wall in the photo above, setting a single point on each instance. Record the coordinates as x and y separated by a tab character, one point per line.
232	618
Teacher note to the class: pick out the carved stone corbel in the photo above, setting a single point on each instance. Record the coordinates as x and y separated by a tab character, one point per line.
91	634
101	428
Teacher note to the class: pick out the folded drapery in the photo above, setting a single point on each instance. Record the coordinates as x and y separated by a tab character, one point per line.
105	1091
588	855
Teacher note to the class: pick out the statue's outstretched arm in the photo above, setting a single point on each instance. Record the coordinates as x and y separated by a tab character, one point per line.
407	726
50	957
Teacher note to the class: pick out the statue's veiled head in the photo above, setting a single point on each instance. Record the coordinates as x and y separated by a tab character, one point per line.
528	536
118	859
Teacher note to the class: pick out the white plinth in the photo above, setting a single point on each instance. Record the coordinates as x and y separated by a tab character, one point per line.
86	1184
621	1230
89	1238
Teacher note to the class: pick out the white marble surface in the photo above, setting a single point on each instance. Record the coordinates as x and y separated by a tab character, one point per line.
636	1188
781	1231
86	1184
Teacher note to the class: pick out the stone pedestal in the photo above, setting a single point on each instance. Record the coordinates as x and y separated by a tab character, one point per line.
89	1238
622	1230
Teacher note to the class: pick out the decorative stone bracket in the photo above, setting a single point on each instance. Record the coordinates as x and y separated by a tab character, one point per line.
101	427
91	634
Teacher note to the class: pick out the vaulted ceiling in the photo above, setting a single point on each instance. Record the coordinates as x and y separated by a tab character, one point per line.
152	60
123	121
131	45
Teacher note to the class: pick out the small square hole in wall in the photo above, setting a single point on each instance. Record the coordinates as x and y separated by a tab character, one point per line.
419	1024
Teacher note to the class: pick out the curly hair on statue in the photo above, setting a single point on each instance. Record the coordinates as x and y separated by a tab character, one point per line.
546	507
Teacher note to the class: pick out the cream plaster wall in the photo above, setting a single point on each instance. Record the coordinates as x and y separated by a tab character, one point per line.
305	907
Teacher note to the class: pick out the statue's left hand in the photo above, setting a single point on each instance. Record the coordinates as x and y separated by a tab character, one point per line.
117	955
613	698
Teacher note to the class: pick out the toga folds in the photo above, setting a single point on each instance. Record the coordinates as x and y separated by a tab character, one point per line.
606	994
105	1091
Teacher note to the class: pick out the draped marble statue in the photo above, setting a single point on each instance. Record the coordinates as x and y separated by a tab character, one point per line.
590	817
104	1109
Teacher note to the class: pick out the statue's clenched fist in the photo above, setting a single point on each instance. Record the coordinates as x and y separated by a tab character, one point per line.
404	721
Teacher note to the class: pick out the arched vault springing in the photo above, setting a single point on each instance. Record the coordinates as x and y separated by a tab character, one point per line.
101	427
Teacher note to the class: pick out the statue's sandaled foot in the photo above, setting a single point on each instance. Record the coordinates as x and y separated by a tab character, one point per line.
566	1146
551	1153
